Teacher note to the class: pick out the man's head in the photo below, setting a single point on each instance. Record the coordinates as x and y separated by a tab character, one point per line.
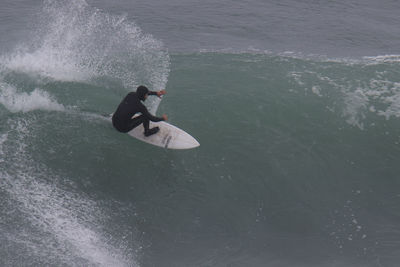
142	92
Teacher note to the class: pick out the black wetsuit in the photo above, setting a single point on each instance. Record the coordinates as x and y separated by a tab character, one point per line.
130	105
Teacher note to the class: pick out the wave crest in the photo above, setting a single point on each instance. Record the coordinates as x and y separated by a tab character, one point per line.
25	102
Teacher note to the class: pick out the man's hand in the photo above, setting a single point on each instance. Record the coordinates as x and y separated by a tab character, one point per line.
165	117
160	93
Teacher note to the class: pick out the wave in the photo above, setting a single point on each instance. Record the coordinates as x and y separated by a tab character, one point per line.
75	49
76	42
62	224
361	91
300	127
24	102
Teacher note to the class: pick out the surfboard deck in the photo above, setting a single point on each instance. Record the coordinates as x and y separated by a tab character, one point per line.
169	136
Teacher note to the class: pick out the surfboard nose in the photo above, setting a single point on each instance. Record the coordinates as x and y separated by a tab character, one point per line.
196	143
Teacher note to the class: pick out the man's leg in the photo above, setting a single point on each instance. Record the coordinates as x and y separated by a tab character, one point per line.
135	122
146	125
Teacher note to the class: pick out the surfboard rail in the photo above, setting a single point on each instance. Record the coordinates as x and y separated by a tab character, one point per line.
169	136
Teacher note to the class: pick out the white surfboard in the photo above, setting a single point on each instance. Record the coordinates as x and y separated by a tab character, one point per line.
169	136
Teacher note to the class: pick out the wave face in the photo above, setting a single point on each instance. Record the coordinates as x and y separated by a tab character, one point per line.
79	56
76	42
298	163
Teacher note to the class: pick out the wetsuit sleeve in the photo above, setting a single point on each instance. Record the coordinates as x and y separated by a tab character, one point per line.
147	114
152	93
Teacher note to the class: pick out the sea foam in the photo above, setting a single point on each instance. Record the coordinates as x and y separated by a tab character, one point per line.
62	223
24	102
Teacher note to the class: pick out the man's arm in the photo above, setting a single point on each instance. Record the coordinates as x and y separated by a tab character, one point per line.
147	114
158	93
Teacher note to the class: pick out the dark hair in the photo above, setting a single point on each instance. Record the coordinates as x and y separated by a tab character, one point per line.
141	91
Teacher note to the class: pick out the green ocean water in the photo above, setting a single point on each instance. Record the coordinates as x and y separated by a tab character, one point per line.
298	163
283	170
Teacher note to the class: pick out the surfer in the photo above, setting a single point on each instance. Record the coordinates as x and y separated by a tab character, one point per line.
122	118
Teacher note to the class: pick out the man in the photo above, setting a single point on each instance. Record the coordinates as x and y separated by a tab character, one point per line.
122	118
